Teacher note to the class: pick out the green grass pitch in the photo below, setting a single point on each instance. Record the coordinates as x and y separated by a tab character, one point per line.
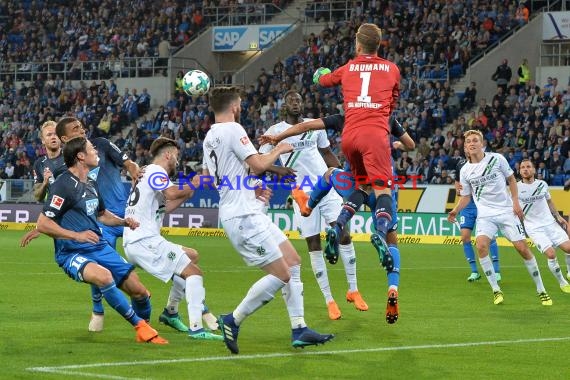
448	328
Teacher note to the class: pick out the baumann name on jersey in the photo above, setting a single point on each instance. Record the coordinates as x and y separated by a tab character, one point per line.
369	67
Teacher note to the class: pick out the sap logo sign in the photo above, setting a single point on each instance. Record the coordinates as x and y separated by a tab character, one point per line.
227	38
268	35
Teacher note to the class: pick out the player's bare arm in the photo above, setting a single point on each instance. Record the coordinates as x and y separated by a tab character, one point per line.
515	196
40	189
463	202
295	130
176	196
406	143
52	229
559	219
133	169
330	158
260	163
109	219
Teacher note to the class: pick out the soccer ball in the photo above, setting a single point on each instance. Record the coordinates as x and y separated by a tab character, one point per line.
195	83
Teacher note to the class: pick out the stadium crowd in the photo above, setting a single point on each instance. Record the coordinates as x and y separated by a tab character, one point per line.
430	42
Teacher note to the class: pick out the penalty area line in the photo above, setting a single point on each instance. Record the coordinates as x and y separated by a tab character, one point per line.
71	370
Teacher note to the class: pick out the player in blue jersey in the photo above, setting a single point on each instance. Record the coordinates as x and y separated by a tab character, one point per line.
48	167
345	184
70	216
108	177
467	218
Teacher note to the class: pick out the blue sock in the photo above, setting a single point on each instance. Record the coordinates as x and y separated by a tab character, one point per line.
320	190
494	250
394	275
470	256
97	299
354	202
118	301
383	214
142	307
343	182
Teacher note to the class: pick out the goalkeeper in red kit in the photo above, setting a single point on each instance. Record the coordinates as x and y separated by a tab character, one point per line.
370	87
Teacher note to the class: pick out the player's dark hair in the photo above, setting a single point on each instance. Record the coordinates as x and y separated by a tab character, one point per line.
221	97
72	148
62	124
290	93
160	144
527	160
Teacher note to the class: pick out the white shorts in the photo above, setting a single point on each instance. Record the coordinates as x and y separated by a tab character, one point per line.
508	223
256	238
327	210
158	256
544	237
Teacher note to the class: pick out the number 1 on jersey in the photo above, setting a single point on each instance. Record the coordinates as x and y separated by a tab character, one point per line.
363	97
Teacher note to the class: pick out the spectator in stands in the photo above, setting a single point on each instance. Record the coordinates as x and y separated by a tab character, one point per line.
502	75
469	96
9	170
523	73
522	14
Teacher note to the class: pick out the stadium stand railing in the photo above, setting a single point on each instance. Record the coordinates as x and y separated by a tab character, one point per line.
86	70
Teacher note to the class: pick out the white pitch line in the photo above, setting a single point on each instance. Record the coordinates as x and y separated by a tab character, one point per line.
65	370
87	374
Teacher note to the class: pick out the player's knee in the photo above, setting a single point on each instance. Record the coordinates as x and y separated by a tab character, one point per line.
191	270
103	277
192	254
550	253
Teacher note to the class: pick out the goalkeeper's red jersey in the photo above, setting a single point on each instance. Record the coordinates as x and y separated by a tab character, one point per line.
370	87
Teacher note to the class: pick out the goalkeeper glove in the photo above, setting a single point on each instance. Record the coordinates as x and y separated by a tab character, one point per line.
320	71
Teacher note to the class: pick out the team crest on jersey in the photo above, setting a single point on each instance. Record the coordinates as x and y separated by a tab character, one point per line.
93	173
91	205
260	251
244	140
56	202
171	256
213	144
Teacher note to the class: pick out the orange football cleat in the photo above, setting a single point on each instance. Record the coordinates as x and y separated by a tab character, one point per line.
392	310
302	199
334	311
146	334
356	299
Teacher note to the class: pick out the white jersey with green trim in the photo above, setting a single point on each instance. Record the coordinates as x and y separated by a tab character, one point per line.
485	181
226	147
305	158
533	197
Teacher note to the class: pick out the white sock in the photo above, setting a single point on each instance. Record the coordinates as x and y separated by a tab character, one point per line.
176	294
556	271
320	271
258	295
534	272
195	294
348	257
293	297
567	256
489	272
